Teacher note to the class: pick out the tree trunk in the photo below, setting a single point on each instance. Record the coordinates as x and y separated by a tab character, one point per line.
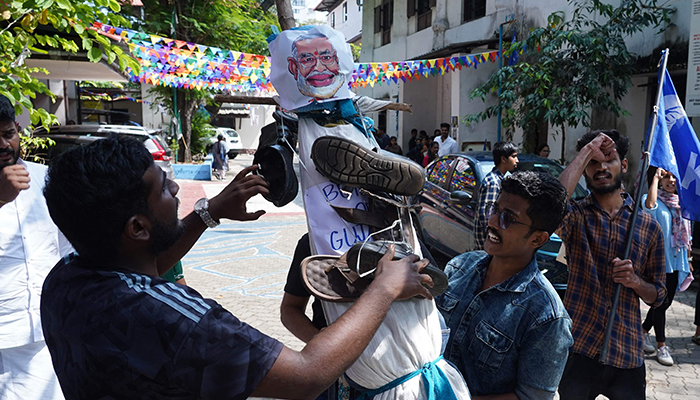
186	108
285	14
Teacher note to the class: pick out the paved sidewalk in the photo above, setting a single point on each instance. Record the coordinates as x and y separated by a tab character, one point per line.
243	266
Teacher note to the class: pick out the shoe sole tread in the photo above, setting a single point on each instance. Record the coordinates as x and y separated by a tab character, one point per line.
338	159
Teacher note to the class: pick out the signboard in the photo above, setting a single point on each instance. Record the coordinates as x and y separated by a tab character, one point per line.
692	97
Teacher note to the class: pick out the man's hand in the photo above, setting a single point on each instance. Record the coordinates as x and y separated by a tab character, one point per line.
623	273
602	148
13	179
231	202
402	277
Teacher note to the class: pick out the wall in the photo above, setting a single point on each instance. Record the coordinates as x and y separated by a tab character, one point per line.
250	127
353	26
153	115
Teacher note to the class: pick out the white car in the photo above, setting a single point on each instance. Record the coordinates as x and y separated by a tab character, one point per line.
232	140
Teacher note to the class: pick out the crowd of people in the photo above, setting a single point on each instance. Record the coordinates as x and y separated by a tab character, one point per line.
423	149
84	243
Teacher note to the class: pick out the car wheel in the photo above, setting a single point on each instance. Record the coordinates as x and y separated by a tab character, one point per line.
232	155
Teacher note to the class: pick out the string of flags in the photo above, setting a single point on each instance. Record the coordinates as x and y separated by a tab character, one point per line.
393	71
180	64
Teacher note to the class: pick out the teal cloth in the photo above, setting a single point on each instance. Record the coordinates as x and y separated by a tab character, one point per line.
435	382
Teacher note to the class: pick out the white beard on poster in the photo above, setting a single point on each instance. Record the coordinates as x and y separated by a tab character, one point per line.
311	64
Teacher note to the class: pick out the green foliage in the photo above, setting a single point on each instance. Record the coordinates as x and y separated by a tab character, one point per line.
37	26
33	147
568	67
356	50
239	25
201	130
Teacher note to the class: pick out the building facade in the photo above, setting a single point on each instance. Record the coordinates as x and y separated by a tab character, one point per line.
398	30
344	16
304	12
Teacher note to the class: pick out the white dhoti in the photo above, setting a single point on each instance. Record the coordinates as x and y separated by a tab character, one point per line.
26	373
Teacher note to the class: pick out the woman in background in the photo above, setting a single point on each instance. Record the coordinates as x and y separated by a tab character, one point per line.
677	242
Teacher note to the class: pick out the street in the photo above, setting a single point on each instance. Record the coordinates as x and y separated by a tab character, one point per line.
243	266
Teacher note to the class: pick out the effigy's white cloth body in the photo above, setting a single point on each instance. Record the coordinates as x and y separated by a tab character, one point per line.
410	336
315	65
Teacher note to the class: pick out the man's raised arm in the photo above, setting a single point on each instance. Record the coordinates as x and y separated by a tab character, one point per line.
230	204
600	149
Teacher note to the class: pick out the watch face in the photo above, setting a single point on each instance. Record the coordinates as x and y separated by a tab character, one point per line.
201	204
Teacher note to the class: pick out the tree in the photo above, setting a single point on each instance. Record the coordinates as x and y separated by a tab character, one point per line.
569	67
37	26
239	25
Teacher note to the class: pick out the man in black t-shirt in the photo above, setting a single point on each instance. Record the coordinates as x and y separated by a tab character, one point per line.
296	297
115	329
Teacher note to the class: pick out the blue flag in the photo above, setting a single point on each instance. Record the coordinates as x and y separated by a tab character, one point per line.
676	149
513	59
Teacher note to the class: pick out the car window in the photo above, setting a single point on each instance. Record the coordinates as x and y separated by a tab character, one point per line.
439	170
463	176
151	146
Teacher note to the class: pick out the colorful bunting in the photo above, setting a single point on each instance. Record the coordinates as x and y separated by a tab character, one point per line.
180	64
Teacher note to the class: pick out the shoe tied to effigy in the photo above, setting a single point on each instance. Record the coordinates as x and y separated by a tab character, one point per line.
335	278
364	257
647	344
664	356
347	163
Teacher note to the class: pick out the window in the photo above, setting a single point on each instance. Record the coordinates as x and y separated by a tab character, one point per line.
439	172
474	9
423	9
333	19
463	177
383	19
299	3
295	10
345	12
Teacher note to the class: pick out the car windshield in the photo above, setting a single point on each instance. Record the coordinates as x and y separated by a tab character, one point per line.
552	168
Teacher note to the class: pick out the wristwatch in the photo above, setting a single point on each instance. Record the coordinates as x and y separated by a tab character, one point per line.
201	207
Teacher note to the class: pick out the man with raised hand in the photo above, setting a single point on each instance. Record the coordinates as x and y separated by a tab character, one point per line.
30	245
116	330
594	231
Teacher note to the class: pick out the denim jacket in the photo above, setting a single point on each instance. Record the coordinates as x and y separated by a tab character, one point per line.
512	337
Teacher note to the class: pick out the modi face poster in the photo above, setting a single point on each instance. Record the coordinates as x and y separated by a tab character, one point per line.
310	65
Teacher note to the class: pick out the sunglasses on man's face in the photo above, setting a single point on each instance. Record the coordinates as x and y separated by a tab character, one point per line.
505	217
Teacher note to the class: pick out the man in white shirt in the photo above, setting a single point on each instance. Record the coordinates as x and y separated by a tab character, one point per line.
30	245
447	144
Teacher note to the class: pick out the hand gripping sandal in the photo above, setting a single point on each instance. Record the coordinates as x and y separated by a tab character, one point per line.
347	163
333	278
364	257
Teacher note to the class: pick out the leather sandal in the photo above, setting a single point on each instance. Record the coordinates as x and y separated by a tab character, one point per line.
329	278
370	253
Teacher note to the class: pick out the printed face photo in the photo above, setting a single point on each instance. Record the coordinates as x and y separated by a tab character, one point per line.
314	64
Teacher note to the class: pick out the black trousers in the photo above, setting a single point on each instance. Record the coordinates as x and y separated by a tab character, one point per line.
656	317
585	378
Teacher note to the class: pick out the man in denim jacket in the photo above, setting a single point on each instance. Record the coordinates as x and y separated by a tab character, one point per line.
510	333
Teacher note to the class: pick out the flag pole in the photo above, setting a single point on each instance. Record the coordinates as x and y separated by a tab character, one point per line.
637	201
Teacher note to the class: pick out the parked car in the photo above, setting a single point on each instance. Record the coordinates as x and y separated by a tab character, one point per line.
232	140
449	200
68	136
